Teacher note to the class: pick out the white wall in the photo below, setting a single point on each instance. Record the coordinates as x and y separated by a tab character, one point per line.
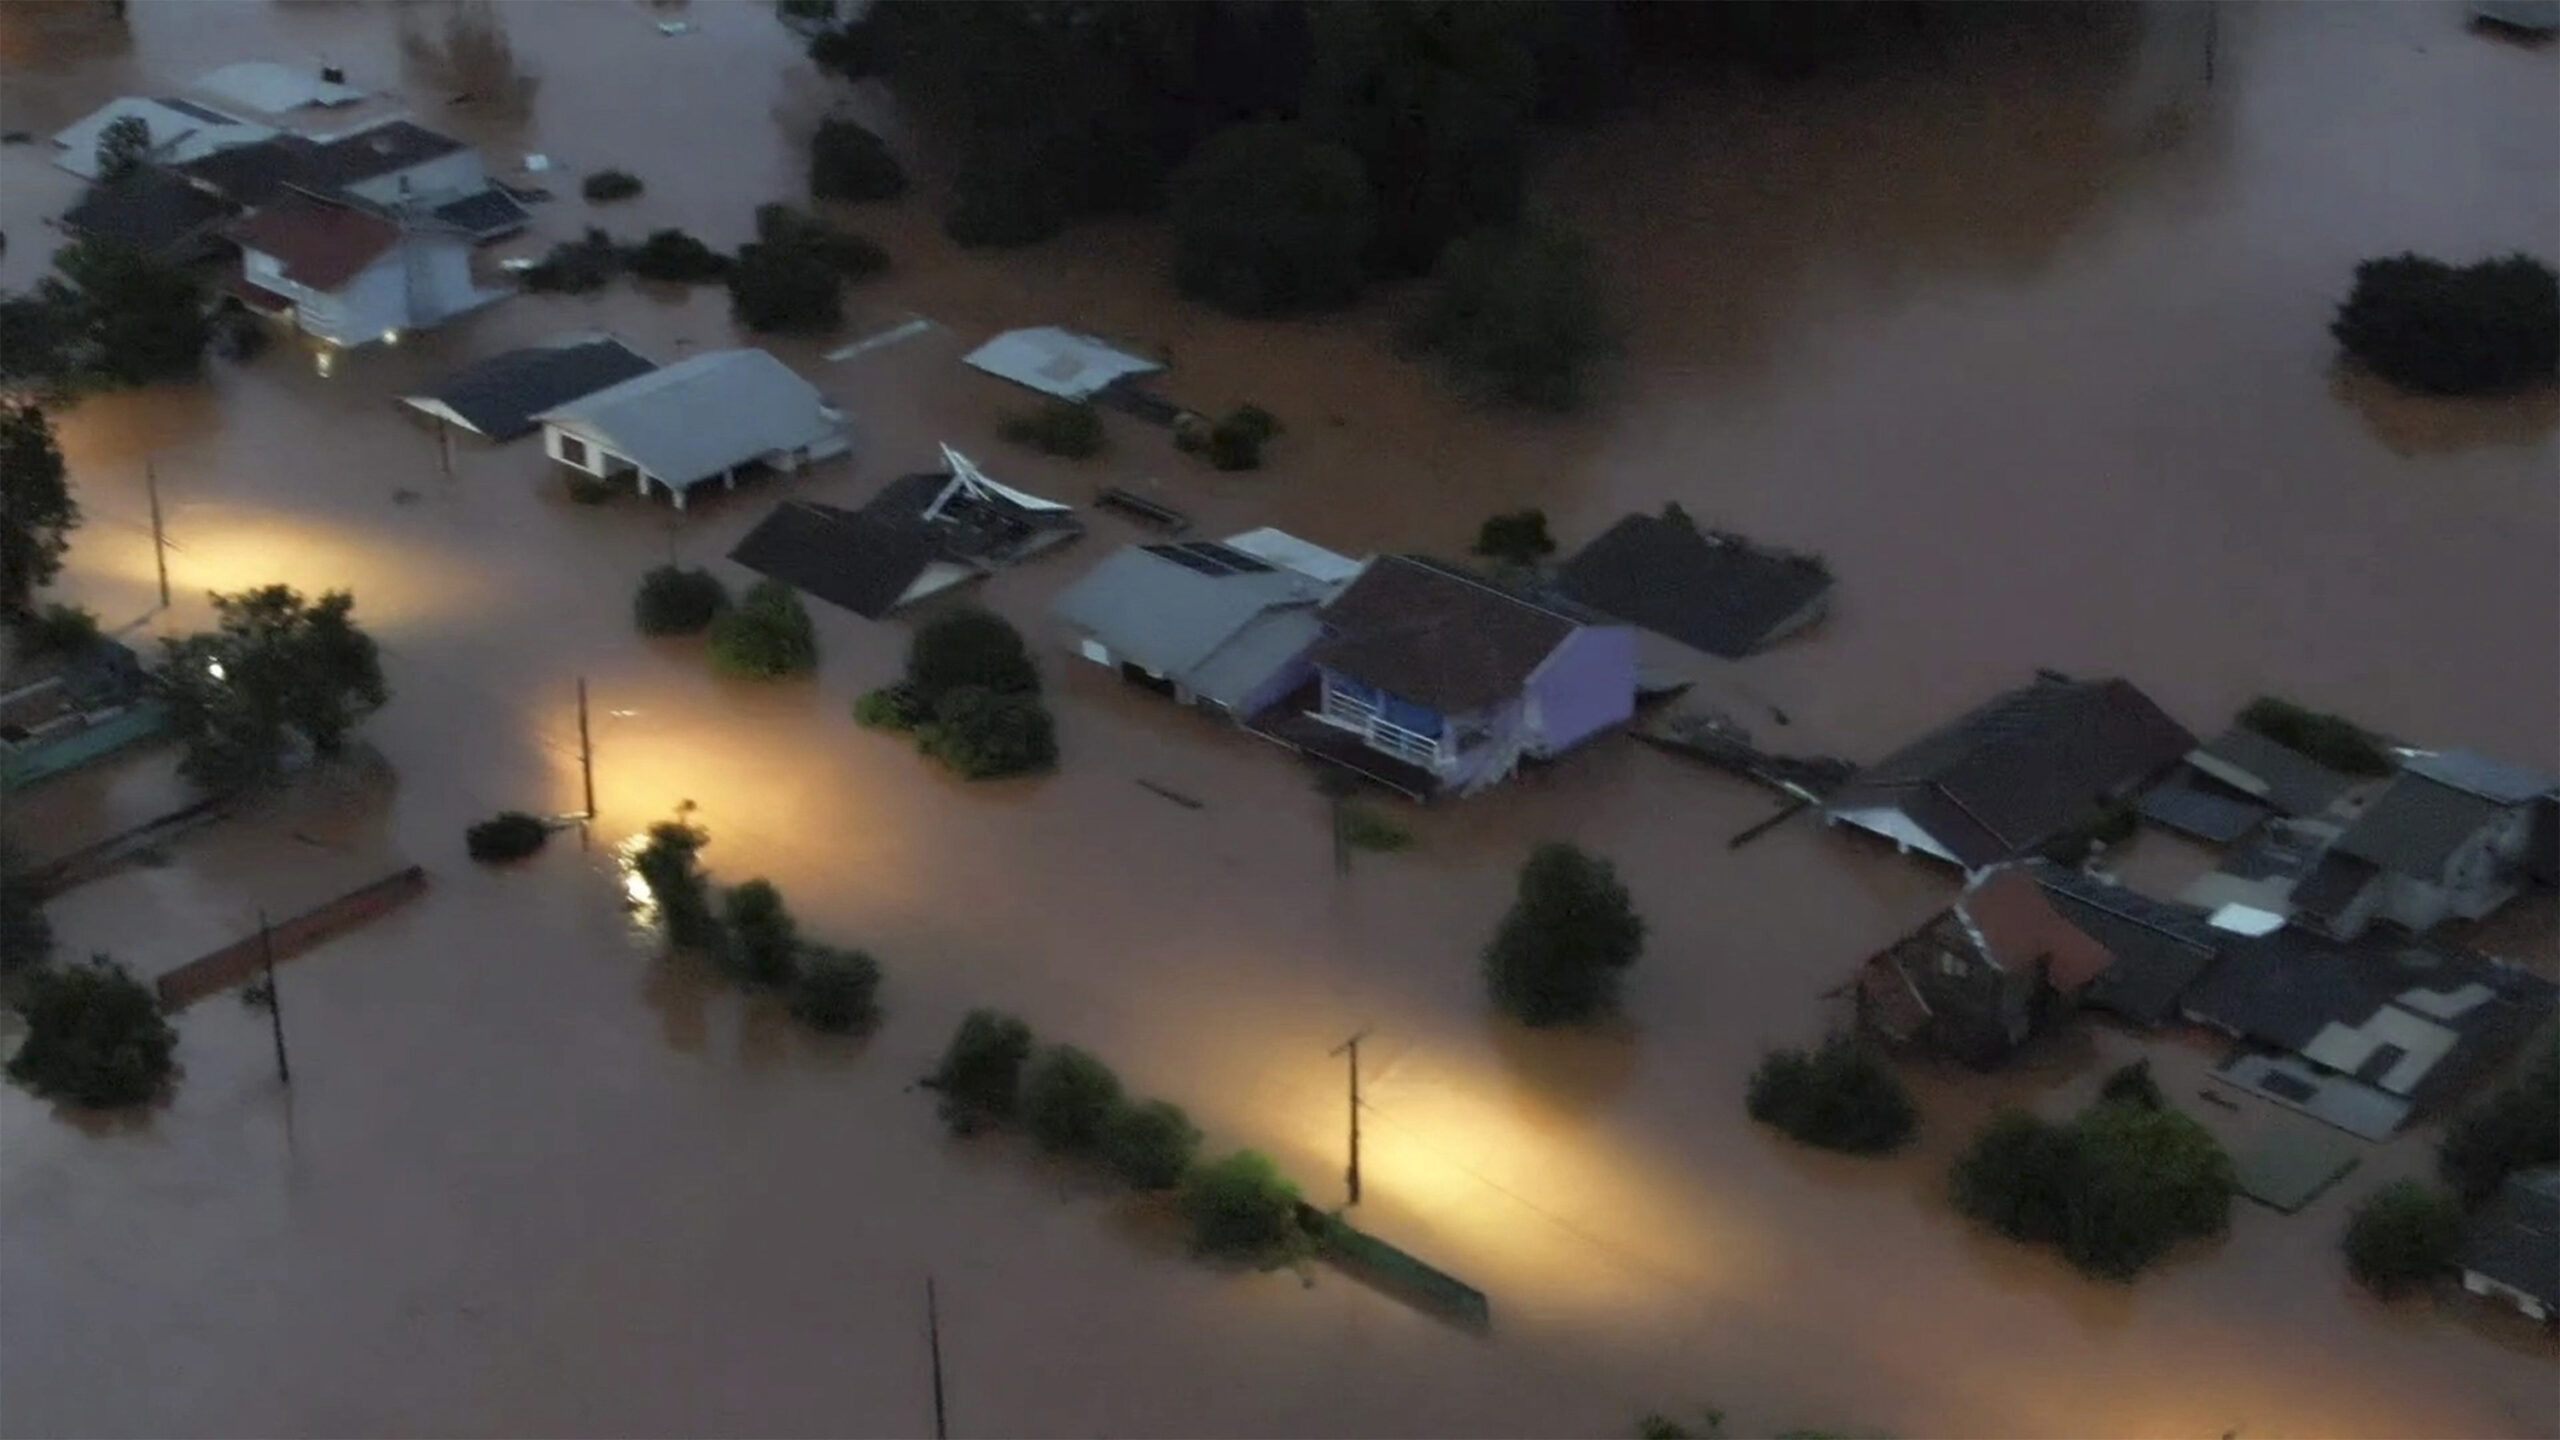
551	435
358	312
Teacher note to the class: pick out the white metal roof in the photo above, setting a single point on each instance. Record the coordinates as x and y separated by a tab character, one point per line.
1054	361
689	421
1291	553
967	477
263	87
178	135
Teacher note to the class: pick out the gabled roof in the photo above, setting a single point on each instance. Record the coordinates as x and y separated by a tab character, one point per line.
180	131
847	558
1708	589
380	150
252	175
2516	1238
1150	604
499	396
2015	927
264	87
2263	769
2416	825
1438	635
319	244
2013	773
2491	780
689	421
2160	947
151	210
1055	361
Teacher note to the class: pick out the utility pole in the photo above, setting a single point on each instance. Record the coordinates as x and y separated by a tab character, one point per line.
275	1005
444	446
159	535
2212	34
586	766
933	1338
1351	1047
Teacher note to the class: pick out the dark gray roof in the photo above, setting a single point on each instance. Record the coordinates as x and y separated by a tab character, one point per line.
199	112
2416	825
1439	635
848	558
2516	1239
485	216
2209	814
1707	589
2161	948
499	396
151	209
2286	778
2015	772
380	150
2333	885
254	174
2493	780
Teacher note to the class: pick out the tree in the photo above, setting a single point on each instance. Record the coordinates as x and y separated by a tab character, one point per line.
1069	1100
276	677
1269	220
1241	1206
969	647
1516	315
847	162
768	637
2020	1176
37	513
26	937
677	258
838	990
140	320
851	256
123	145
2132	1085
1236	441
2442	329
1839	1097
605	186
982	734
668	868
980	1075
42	342
764	940
784	288
2333	740
1150	1145
2515	1128
95	1037
508	835
2402	1237
2115	1188
1518	537
677	601
1570	933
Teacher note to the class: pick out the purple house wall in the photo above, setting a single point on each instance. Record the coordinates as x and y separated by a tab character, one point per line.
1586	686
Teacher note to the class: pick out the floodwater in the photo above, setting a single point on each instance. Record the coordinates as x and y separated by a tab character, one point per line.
2030	345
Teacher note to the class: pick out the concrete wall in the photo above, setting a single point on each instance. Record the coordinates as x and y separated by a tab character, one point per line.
1586	686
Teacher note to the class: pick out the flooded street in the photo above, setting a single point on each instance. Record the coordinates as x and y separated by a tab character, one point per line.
2032	348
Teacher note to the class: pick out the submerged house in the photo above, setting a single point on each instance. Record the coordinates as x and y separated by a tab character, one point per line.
347	276
1432	679
1205	624
179	131
2238	781
152	210
2015	774
2454	836
2513	1250
499	397
1998	966
2161	948
1710	590
396	168
711	417
921	535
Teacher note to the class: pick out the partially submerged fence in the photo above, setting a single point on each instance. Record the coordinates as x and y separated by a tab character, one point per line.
1373	1261
241	959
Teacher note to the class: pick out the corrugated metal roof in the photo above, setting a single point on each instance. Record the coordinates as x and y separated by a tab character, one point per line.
1055	361
267	88
1707	589
177	136
1289	552
1439	636
500	396
2416	825
689	421
2516	1239
2283	777
2479	775
1172	618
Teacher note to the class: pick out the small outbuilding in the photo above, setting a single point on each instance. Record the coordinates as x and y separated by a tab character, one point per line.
499	397
1066	364
711	417
1710	590
1205	624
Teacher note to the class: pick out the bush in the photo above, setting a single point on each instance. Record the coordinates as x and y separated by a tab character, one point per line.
1517	538
674	256
2132	1085
1839	1097
2115	1189
1060	427
1268	220
1003	194
1570	933
677	601
775	288
1241	1206
669	867
1070	1100
855	257
969	648
509	835
2021	1177
1150	1146
610	185
1516	315
891	707
2333	740
982	735
980	1076
1235	442
2454	330
2402	1237
768	637
95	1037
2515	1128
576	267
838	990
764	941
847	162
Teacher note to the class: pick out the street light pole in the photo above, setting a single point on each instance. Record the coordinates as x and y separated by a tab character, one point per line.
275	1006
159	535
1351	1047
586	766
933	1338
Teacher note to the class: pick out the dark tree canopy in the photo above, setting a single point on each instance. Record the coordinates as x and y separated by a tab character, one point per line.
278	675
95	1037
2516	1127
1518	537
983	734
1151	1145
847	162
673	600
781	288
769	636
2402	1237
37	512
1840	1097
2115	1188
1241	1206
764	939
1570	934
123	145
676	257
970	647
140	320
838	990
980	1075
2444	329
1269	220
1517	314
1070	1099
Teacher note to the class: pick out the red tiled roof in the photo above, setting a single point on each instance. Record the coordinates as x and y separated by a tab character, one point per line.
320	245
2019	926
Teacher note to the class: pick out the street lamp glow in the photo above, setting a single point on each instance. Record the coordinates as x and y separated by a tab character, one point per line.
214	669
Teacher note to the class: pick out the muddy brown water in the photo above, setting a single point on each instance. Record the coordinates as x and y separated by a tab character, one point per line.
2030	346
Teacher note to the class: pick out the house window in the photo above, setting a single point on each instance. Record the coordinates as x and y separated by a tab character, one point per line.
574	451
1950	963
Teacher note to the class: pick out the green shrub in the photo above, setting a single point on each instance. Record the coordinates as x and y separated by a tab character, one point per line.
969	648
2333	740
2402	1237
1364	828
847	162
2021	1177
768	637
1269	220
780	289
95	1037
509	835
607	185
854	257
1235	443
837	991
891	707
2517	1127
2132	1085
1517	538
2443	329
1516	315
1069	428
1241	1206
1571	931
1151	1145
1069	1100
1839	1097
669	867
980	1075
676	257
60	630
764	940
675	601
982	735
576	267
2115	1189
